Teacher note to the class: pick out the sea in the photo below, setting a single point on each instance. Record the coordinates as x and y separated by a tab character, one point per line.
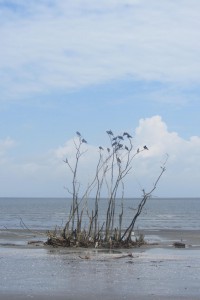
51	213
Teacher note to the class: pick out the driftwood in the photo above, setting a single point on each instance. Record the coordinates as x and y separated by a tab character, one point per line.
179	245
111	257
35	242
85	257
124	255
59	241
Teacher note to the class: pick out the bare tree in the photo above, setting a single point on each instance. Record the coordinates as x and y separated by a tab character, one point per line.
113	165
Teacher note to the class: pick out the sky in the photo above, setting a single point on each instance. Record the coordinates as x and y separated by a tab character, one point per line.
92	66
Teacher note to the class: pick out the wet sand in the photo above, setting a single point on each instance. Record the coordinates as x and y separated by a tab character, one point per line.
98	297
155	271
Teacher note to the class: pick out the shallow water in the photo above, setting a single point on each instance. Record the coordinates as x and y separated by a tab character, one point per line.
51	271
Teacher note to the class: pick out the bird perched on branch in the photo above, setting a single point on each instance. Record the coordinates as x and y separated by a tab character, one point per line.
78	133
84	141
127	134
119	160
146	148
109	132
100	148
126	148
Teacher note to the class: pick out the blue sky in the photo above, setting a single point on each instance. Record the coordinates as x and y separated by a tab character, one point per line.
130	65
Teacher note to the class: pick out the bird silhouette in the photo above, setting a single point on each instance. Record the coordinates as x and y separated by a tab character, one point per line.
100	148
120	137
78	133
146	148
126	148
127	134
138	150
119	160
109	132
84	141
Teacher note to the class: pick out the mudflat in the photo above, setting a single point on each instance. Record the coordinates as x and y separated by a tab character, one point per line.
158	270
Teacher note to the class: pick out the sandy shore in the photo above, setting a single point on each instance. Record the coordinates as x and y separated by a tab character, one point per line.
163	238
155	271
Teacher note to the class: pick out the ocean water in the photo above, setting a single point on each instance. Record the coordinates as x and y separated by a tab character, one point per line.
48	213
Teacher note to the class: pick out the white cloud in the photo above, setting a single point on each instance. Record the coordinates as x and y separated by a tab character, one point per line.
182	175
48	175
183	154
68	45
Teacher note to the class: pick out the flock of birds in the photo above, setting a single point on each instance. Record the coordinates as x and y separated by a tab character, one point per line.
115	141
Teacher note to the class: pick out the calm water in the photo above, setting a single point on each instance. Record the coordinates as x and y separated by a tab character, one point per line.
46	213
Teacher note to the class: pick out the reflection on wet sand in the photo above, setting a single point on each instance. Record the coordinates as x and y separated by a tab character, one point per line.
156	271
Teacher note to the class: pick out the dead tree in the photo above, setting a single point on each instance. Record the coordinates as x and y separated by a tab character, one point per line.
113	165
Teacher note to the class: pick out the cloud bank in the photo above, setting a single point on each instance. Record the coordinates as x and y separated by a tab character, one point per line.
48	175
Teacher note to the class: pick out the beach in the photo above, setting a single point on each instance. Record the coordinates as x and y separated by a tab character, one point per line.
157	270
